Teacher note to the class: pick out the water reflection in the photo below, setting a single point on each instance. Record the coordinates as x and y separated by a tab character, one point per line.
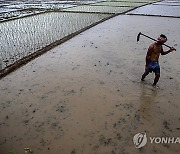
147	101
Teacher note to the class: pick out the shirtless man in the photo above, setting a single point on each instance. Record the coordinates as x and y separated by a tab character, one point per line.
152	57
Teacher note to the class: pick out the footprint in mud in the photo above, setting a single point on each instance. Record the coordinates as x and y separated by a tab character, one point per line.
69	92
124	106
137	116
120	122
105	141
76	67
44	143
73	151
6	104
166	125
61	108
118	136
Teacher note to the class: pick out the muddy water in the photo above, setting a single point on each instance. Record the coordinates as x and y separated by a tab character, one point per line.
22	37
85	96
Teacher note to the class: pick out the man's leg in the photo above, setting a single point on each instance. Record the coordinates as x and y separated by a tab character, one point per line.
157	74
145	74
156	79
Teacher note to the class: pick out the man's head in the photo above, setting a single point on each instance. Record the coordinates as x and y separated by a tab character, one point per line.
161	39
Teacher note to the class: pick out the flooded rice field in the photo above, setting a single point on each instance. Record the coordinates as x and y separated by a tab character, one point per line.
99	9
24	36
165	8
13	9
29	26
120	3
85	95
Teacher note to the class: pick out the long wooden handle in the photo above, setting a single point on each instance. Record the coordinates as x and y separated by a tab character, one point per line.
154	39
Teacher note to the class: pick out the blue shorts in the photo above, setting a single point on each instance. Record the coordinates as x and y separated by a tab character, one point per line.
154	67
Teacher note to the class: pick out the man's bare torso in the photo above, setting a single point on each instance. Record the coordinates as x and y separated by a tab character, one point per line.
154	51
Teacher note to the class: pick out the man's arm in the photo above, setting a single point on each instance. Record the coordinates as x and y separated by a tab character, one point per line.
166	52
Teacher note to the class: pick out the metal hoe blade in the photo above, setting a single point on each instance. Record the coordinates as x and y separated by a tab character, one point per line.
138	37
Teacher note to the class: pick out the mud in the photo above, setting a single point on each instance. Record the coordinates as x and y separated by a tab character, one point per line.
85	96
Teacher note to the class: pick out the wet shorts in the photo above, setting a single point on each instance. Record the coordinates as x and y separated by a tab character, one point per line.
154	67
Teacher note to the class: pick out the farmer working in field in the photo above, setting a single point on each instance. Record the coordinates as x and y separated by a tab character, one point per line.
152	57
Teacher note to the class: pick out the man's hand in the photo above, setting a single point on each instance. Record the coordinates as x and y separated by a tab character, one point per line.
172	49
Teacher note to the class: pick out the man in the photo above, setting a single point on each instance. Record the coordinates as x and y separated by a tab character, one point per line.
152	57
